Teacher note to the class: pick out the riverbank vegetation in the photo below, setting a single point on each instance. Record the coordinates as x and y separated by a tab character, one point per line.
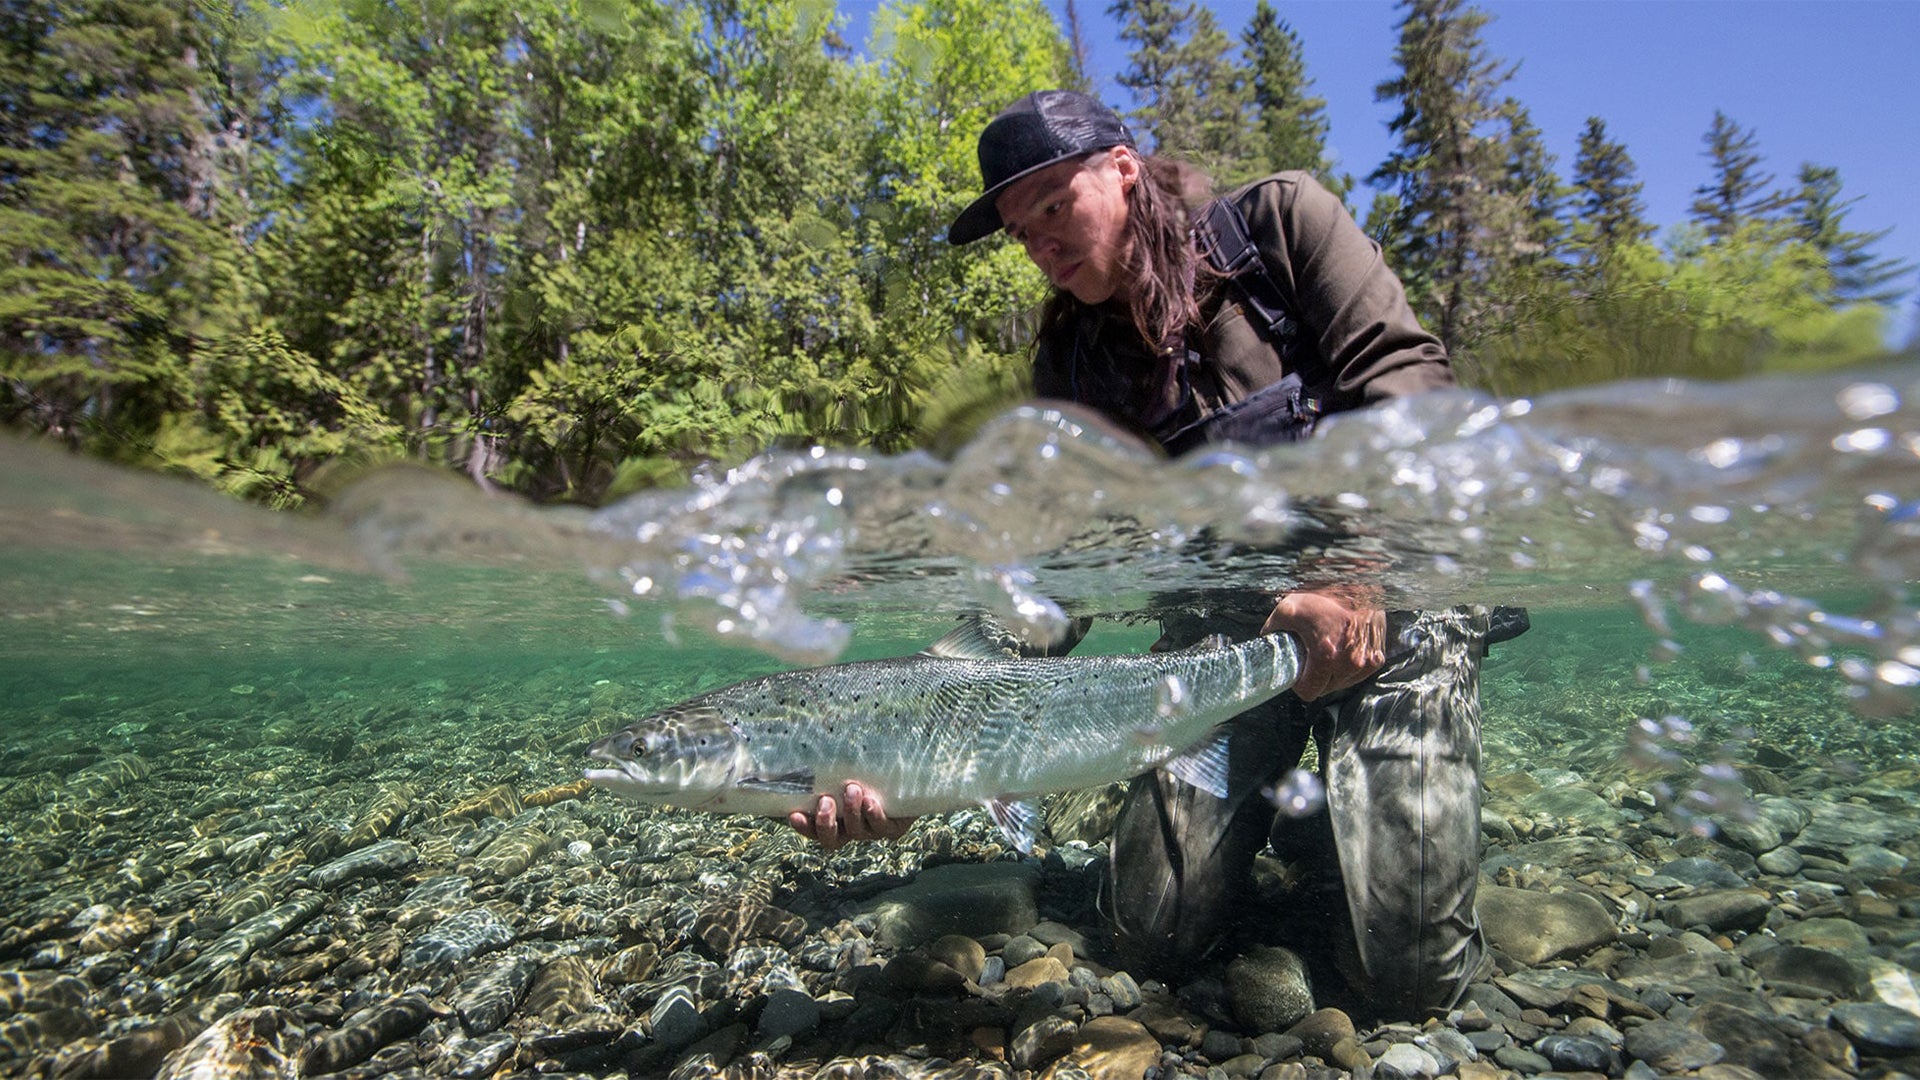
580	246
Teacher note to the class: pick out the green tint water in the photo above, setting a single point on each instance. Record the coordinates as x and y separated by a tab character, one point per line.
420	633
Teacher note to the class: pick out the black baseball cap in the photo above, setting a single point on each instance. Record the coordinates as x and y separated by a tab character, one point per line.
1043	128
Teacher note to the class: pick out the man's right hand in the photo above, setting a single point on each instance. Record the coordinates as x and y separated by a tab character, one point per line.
859	814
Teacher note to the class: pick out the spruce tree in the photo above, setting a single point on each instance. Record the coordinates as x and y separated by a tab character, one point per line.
1290	123
1610	212
1154	29
1539	235
119	251
1192	92
1738	194
1448	173
1213	130
1818	214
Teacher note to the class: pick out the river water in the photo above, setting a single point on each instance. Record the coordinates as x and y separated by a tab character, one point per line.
1720	577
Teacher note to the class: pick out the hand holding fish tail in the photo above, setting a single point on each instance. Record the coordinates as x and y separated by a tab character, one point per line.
859	814
1342	638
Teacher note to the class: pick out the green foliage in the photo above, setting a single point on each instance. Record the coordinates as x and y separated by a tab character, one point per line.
1457	217
1290	122
1818	216
1738	194
1744	305
1608	211
589	245
264	417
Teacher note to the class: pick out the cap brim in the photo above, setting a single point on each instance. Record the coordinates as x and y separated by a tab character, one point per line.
982	218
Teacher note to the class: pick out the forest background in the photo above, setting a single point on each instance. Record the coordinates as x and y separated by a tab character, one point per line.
580	247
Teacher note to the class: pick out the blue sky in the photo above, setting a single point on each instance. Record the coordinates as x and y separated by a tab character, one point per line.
1834	82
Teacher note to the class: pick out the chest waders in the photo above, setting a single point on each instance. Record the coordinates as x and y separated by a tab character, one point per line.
1394	854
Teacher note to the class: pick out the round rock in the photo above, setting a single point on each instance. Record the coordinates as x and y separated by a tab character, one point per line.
1535	927
1671	1047
1269	989
1877	1028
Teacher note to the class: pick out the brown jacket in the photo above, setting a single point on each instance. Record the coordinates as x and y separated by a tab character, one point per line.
1358	341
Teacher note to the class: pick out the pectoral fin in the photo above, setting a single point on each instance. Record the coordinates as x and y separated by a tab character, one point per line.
1204	764
1019	820
798	782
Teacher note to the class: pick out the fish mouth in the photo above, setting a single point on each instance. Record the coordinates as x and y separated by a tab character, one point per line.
621	772
625	775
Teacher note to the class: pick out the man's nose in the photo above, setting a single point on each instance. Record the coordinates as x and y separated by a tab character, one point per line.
1039	244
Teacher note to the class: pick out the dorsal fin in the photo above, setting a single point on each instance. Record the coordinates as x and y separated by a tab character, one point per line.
973	639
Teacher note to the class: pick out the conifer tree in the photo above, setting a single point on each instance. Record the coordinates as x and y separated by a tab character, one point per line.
1738	195
1447	176
1290	123
1193	92
1213	84
1609	212
1539	235
1818	215
119	233
1154	30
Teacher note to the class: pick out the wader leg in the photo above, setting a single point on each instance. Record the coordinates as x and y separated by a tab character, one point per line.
1182	859
1403	789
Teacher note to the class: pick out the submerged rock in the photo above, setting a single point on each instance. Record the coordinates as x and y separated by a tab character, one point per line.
1535	927
959	898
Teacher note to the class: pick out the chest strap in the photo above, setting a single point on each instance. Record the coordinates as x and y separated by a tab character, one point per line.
1229	248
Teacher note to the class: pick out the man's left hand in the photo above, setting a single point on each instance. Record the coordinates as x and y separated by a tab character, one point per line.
1342	641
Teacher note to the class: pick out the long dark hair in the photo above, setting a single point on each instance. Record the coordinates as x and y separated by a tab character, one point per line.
1166	279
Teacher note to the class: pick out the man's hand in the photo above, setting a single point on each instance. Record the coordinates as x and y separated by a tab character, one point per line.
1342	641
857	815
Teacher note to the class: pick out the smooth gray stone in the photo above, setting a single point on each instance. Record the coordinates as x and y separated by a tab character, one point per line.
1269	989
1701	873
974	899
1534	927
383	858
1879	1028
1671	1047
1574	804
1828	972
1720	909
1578	1053
1405	1061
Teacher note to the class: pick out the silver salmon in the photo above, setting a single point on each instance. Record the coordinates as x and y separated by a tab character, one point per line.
965	722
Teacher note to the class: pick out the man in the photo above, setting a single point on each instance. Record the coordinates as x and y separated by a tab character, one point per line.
1247	323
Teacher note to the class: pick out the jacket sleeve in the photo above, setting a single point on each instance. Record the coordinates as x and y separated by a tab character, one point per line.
1351	308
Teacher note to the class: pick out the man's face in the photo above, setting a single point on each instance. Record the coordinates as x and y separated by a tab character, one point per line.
1071	218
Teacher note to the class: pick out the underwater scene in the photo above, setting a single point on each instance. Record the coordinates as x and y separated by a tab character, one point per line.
303	794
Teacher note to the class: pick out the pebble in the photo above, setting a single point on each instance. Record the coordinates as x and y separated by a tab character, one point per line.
1269	989
1405	1061
357	926
1671	1048
455	939
386	858
1534	928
